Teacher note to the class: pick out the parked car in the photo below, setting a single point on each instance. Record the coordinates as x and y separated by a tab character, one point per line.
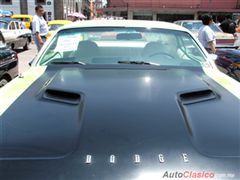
222	39
228	62
146	104
27	19
14	35
55	24
8	63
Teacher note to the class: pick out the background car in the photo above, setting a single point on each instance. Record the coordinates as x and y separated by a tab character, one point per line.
55	24
237	42
222	39
228	61
27	19
8	63
15	36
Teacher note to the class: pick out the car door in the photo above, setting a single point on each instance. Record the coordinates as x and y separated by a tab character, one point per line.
8	32
10	35
22	39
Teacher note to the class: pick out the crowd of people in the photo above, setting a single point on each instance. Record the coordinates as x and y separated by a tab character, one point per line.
206	35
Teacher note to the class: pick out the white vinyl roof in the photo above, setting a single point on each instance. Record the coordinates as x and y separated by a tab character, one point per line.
125	23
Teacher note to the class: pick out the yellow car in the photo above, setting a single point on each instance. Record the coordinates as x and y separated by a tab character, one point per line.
27	19
55	24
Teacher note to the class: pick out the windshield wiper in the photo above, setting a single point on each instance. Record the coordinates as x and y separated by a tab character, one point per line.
138	63
68	62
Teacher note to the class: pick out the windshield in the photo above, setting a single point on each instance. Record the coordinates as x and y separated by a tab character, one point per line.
54	27
114	45
195	26
3	25
215	28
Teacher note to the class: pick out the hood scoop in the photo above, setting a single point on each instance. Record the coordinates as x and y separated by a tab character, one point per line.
62	96
196	96
213	132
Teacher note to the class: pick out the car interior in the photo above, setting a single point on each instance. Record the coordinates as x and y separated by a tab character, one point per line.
126	47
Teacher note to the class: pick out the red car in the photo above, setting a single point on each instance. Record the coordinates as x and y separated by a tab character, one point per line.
228	61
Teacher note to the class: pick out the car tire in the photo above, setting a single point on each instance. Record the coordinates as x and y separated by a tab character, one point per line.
3	82
12	46
26	47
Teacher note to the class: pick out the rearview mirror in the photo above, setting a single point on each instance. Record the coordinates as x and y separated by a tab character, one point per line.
129	36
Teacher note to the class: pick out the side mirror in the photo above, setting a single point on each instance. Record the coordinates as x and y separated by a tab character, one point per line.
213	57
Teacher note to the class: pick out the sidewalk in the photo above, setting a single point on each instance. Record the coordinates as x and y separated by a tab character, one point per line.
25	57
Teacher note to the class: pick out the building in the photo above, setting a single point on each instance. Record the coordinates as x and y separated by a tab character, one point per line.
65	7
55	9
170	10
99	7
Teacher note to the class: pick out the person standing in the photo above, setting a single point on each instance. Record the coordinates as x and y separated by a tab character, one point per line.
206	35
22	24
228	25
39	27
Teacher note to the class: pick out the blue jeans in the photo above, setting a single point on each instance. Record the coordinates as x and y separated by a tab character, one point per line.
37	42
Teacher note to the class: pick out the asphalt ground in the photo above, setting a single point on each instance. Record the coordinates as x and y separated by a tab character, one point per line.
24	57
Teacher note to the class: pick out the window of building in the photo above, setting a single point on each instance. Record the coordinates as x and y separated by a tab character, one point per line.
42	2
6	2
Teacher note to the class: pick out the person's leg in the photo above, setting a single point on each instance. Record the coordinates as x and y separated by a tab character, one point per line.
44	39
37	43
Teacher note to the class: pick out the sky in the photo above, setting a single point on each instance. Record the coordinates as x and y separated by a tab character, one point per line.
104	2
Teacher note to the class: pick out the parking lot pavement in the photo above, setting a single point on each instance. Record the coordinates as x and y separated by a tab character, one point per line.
25	57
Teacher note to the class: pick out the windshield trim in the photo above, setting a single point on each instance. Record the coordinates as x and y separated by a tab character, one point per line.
93	29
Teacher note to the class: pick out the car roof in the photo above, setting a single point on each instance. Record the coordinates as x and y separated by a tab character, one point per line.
59	22
125	23
188	21
22	16
7	19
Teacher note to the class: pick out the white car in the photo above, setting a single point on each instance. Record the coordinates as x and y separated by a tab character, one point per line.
15	34
120	100
223	39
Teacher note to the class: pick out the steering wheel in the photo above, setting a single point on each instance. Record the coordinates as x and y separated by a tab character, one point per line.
162	53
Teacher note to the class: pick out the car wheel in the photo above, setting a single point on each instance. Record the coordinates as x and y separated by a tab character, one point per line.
3	82
29	39
12	46
26	47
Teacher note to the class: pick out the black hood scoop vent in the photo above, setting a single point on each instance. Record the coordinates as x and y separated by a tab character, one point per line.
196	96
62	96
212	131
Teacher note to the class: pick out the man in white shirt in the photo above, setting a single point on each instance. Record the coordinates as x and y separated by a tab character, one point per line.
206	35
39	27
